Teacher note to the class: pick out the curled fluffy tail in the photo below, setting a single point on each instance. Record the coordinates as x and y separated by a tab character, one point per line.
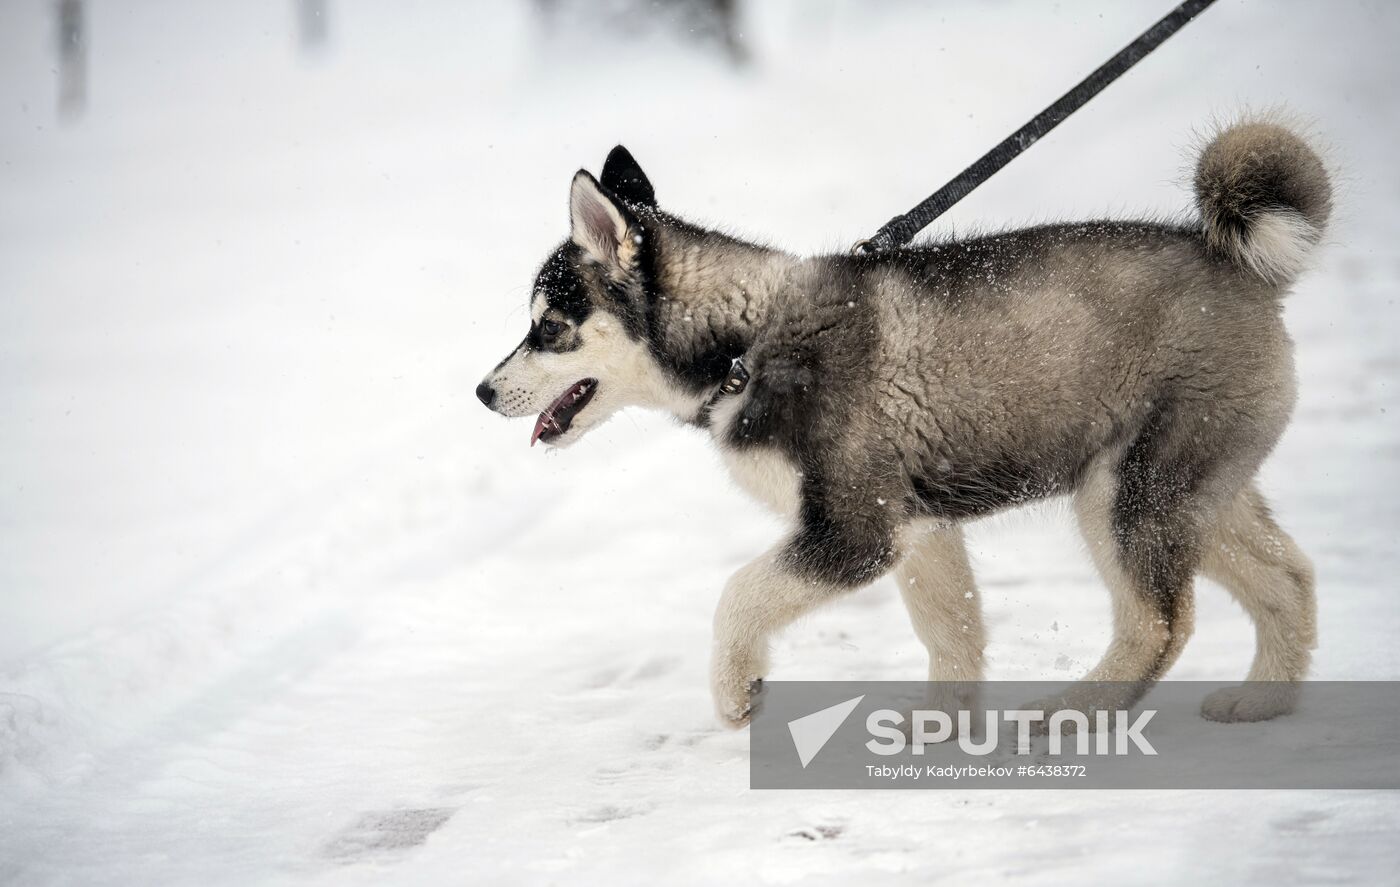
1264	198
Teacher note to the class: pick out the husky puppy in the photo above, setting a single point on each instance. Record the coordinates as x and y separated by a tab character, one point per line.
1141	367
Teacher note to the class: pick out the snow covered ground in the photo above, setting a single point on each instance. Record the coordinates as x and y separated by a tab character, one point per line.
280	603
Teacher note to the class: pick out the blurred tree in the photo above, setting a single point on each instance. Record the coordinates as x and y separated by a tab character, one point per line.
313	26
72	57
709	23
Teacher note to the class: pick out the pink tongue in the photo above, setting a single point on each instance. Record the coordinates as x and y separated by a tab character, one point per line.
544	423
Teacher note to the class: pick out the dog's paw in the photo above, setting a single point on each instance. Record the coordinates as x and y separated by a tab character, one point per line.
932	731
1258	701
733	680
1052	704
1088	699
951	700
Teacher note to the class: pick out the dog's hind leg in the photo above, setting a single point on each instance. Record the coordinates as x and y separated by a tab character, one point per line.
1262	567
936	583
1151	621
1145	513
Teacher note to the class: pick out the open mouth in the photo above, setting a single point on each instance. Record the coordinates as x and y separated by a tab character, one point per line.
558	416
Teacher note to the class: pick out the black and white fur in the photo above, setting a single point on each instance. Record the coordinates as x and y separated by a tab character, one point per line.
1140	367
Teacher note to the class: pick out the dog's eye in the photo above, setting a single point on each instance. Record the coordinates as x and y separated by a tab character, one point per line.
551	328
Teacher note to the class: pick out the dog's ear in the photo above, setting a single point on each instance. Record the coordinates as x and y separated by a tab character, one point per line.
624	177
600	223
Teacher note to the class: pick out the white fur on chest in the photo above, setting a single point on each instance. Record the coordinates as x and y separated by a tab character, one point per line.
763	472
766	475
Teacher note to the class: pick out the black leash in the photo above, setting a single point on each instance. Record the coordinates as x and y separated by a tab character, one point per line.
902	229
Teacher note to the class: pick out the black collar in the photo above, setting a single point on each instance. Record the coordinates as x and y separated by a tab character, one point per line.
735	381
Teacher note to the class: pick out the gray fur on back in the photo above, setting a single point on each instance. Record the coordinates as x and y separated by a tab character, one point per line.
953	380
950	380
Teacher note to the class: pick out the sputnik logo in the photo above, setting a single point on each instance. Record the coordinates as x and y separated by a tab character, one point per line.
811	732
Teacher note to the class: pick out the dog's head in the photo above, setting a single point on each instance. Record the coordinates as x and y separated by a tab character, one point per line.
586	356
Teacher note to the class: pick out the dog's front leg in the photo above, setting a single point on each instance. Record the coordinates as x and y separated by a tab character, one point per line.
822	560
935	580
760	599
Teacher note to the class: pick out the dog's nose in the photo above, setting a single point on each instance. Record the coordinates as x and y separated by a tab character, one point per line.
486	394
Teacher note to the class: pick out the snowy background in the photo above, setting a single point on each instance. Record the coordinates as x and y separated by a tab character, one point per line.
281	603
